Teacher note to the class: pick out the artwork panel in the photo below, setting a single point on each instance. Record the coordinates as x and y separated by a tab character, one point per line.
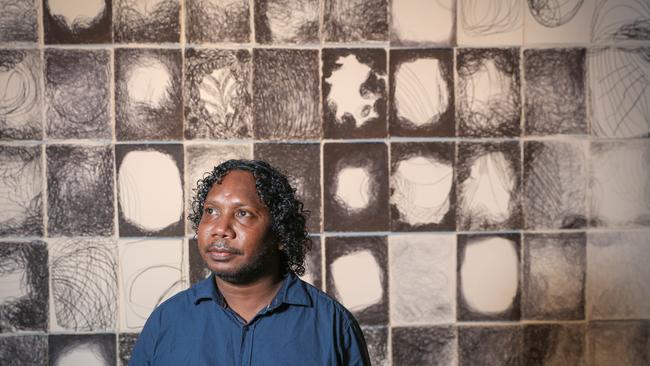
555	184
355	187
434	346
489	186
421	92
89	349
83	274
490	22
217	94
555	91
618	277
488	277
422	22
621	342
21	95
146	280
377	342
80	190
620	20
141	211
21	190
554	344
24	288
423	191
490	345
287	21
354	93
301	164
18	21
313	267
67	22
286	94
154	21
23	350
216	21
554	276
125	344
355	20
488	101
198	270
77	84
558	22
148	94
422	279
357	271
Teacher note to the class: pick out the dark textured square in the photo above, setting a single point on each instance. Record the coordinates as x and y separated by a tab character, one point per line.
287	21
22	95
496	345
143	209
125	344
313	267
23	350
77	90
377	342
217	94
554	276
66	23
356	187
489	186
24	284
214	21
424	346
148	96
488	100
301	163
355	20
618	343
198	270
421	92
18	21
140	21
488	282
554	344
286	94
422	186
555	184
21	190
354	93
63	348
80	190
357	276
555	91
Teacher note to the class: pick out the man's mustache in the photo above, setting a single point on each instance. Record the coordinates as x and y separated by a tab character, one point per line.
222	246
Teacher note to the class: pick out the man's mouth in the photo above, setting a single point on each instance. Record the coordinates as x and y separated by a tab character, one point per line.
221	250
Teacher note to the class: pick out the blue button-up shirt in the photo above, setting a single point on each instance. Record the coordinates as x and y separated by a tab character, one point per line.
302	326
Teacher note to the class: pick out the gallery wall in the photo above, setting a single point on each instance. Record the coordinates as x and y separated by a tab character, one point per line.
476	171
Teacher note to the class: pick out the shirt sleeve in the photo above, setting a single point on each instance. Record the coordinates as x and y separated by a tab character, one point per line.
142	354
355	352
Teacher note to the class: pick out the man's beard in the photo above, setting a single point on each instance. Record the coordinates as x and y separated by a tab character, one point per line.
261	264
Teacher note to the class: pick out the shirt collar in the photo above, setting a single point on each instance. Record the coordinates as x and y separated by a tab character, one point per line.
292	292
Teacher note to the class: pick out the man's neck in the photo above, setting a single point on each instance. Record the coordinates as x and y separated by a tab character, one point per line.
248	299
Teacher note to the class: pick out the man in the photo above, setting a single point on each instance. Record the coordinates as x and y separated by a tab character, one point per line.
253	309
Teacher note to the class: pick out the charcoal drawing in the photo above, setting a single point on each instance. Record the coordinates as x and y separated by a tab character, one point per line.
553	14
287	21
23	350
430	345
21	95
21	190
618	342
621	20
423	22
355	20
87	349
125	344
198	270
554	344
490	345
146	21
65	23
488	17
377	341
18	21
215	21
313	266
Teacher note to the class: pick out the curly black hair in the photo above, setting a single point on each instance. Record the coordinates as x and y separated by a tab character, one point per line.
288	216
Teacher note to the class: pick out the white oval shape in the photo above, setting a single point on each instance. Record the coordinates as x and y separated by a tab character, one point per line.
353	188
489	275
489	187
358	280
421	92
77	12
149	83
151	193
87	354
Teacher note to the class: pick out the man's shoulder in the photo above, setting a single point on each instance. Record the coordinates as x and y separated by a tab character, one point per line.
324	303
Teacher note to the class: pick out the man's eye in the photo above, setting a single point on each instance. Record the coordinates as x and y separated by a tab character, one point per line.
242	213
210	210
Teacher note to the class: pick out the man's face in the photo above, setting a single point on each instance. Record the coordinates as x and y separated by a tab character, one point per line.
234	232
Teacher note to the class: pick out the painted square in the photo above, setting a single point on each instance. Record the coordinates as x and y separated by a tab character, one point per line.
415	346
216	21
558	22
18	21
422	22
554	344
616	21
88	349
377	342
21	190
490	22
355	20
125	344
23	350
287	21
66	22
154	21
490	345
618	343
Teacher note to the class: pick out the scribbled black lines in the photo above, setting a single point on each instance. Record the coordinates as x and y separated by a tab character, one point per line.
23	350
147	21
553	13
555	185
286	94
24	286
18	21
148	96
488	17
354	93
21	95
95	349
126	342
77	93
485	345
616	20
80	190
413	346
84	283
489	94
619	91
66	23
287	21
21	186
555	91
554	344
212	21
356	20
217	94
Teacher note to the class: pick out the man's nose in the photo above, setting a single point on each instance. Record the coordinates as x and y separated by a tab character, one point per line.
223	227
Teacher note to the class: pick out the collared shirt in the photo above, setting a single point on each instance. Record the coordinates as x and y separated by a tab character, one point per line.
301	326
